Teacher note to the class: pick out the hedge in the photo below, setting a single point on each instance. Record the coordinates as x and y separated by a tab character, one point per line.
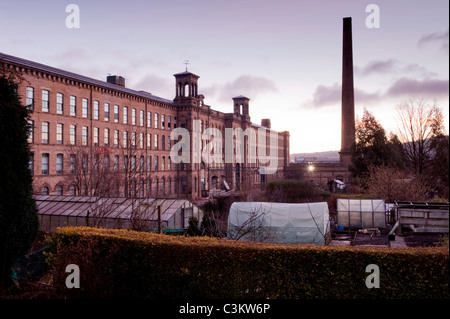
129	264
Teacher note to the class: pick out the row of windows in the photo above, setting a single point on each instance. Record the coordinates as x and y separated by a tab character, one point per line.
150	187
137	118
129	163
135	140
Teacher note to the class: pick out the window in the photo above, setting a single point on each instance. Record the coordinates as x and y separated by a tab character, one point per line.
106	137
45	190
163	123
30	98
106	163
116	163
169	119
149	163
168	143
72	163
45	102
96	138
106	112
133	163
73	134
125	163
133	140
84	135
125	115
155	144
59	133
96	110
116	138
45	130
84	163
96	162
45	158
133	117
149	141
141	188
169	164
73	106
156	163
156	120
59	164
141	118
141	140
116	113
30	131
31	163
59	190
163	142
72	190
163	163
141	163
59	103
84	108
125	139
149	119
202	184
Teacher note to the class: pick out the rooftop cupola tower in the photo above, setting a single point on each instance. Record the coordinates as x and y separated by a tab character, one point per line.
186	88
241	106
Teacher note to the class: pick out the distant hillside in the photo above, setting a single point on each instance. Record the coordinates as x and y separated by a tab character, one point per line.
315	156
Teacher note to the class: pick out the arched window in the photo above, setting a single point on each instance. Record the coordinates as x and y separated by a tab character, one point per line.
72	190
214	182
59	190
45	190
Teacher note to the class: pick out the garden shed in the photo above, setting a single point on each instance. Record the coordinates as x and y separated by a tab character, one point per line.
284	223
115	212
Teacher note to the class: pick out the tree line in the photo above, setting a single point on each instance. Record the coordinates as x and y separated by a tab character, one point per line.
412	163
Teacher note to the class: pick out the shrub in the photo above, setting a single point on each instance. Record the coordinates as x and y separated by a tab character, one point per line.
18	213
128	264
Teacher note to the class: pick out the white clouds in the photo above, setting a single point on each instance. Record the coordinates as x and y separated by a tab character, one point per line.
427	87
391	66
156	85
435	37
247	85
404	87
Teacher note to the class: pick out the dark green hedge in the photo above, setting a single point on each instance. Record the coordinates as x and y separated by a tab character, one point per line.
127	264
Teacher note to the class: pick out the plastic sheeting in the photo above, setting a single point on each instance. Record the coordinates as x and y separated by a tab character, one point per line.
279	222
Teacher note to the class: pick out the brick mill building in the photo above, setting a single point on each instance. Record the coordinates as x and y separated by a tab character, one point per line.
90	137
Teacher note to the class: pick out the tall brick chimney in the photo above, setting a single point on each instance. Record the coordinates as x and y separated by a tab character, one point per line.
348	100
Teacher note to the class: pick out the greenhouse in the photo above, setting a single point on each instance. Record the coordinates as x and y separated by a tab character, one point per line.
282	223
361	213
146	214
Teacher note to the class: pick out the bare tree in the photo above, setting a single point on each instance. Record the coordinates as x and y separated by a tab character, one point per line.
392	184
255	228
418	120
